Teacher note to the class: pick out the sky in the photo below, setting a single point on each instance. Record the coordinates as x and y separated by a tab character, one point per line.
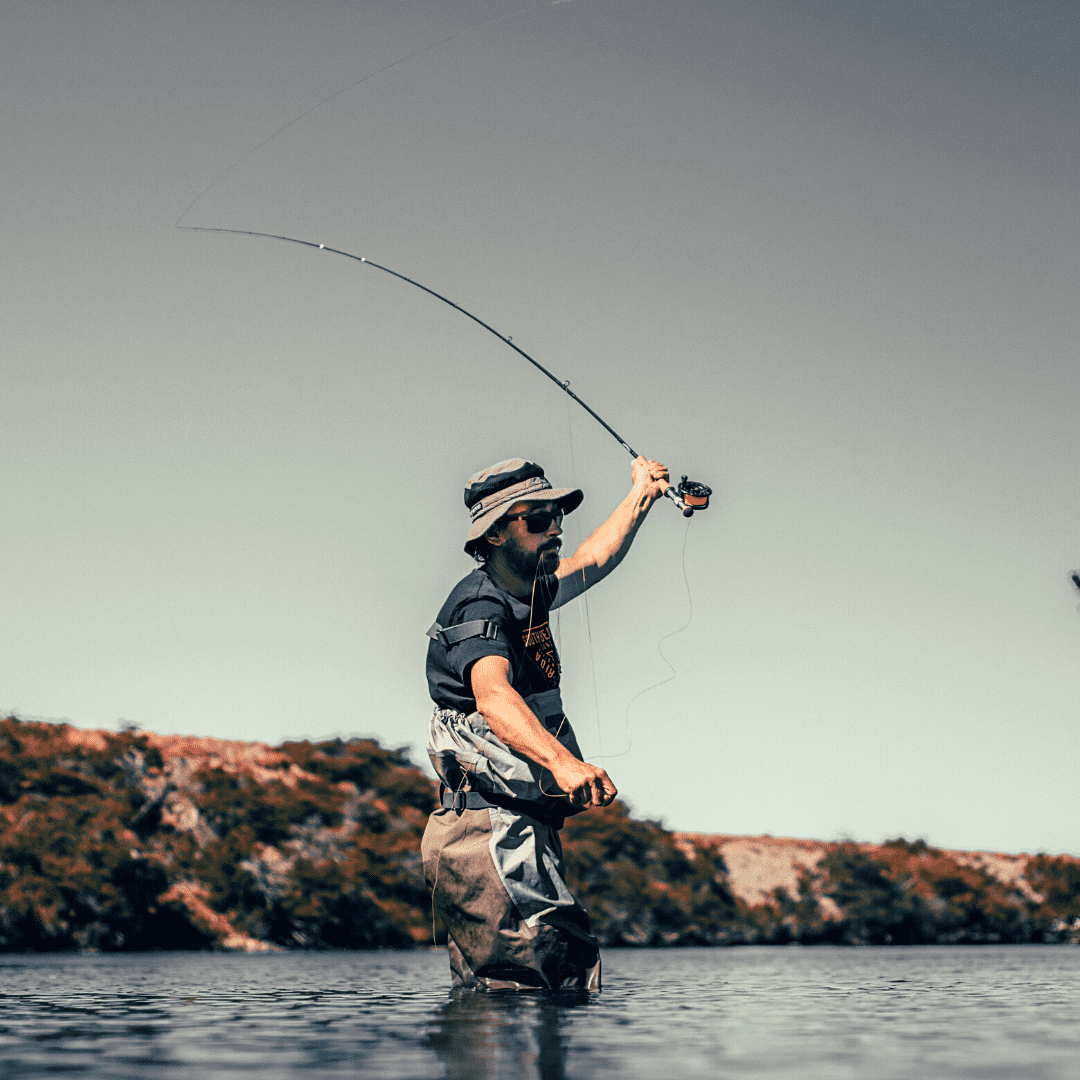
819	255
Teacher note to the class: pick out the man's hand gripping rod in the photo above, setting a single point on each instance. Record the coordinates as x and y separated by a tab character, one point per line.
688	496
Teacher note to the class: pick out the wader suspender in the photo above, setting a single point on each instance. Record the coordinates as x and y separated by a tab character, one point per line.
451	635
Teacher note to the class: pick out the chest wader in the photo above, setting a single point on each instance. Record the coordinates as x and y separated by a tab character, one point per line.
494	861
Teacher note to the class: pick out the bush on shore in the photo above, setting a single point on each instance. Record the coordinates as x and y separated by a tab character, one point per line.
107	844
907	894
640	888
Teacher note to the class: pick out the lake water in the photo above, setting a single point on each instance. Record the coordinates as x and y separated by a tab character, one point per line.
935	1013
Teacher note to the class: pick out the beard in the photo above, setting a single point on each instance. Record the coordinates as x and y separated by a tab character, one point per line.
538	566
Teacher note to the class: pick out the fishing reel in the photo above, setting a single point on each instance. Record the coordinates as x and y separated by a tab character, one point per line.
689	496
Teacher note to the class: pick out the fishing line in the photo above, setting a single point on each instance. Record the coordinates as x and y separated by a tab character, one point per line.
583	599
583	611
356	82
528	655
660	650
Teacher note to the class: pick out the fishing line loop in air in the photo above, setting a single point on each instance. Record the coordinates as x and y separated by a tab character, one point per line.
660	650
356	82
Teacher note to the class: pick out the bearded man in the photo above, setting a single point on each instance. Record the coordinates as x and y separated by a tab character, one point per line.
509	764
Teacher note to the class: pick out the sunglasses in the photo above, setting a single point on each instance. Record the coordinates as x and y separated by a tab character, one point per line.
539	522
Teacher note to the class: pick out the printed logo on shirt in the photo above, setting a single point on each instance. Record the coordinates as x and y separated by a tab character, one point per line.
540	647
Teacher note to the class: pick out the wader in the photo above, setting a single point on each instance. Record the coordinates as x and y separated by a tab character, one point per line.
494	861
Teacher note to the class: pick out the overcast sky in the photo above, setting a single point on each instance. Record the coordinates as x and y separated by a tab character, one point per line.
820	255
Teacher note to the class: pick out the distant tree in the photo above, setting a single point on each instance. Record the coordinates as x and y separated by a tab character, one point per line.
70	874
876	908
1057	881
641	889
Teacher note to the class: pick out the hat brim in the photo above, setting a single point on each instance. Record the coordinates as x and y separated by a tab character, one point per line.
567	500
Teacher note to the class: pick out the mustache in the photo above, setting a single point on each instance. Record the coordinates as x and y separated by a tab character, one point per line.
554	545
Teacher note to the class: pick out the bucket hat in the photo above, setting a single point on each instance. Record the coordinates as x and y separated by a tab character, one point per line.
490	493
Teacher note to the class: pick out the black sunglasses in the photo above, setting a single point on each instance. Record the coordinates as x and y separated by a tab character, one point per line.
540	521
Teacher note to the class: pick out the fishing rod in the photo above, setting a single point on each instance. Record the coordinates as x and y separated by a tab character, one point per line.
689	496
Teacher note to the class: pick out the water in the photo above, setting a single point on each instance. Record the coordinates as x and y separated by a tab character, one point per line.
937	1013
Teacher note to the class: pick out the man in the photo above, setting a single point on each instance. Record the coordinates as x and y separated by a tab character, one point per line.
507	757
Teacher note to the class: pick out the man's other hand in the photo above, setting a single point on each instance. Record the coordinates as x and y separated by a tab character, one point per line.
585	784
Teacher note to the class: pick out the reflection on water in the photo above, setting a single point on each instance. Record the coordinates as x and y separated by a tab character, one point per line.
932	1013
490	1036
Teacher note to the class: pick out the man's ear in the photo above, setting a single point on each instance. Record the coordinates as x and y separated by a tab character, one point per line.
494	537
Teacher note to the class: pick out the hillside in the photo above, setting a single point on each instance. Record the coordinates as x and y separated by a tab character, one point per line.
132	840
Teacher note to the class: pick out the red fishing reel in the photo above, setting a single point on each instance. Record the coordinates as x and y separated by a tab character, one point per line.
689	496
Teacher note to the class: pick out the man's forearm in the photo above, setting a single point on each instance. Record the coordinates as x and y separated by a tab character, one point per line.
607	546
512	721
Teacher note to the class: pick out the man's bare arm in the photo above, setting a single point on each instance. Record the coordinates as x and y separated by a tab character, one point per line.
607	547
513	722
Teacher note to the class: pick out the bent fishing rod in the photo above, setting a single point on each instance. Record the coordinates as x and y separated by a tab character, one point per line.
689	496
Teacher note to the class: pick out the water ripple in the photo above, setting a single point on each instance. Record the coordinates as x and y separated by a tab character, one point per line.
789	1014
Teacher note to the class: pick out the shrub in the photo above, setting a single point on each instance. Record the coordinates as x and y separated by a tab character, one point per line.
640	888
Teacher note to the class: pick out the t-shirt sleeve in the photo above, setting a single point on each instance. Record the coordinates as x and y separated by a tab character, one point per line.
466	652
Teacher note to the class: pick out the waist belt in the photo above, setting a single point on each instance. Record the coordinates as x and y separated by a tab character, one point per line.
475	800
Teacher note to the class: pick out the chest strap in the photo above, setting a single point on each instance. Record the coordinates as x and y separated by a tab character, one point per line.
474	800
451	635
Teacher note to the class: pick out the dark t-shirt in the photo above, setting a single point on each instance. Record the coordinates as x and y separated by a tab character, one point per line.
524	639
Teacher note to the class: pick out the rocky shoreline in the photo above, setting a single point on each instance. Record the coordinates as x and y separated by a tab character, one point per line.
132	840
